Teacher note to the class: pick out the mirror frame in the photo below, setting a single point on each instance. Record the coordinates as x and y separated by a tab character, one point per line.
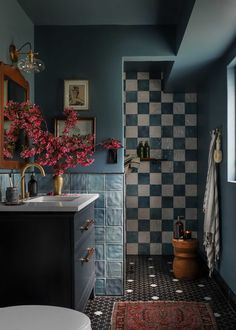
15	75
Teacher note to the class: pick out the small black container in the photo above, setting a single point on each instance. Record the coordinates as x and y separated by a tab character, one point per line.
33	186
12	196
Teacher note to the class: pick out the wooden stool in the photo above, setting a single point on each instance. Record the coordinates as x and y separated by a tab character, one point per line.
185	265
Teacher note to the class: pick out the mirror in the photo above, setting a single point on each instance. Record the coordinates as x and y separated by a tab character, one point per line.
13	87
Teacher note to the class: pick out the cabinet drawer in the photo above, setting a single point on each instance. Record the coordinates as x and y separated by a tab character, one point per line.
83	224
84	277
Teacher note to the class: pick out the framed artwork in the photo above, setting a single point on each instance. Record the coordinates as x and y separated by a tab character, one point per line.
84	126
76	94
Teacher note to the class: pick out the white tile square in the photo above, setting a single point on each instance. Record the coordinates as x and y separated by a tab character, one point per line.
167	213
167	190
143	120
143	75
190	97
155	131
143	213
144	167
155	201
132	248
190	120
156	153
179	178
167	143
143	96
191	190
131	202
131	178
167	120
167	167
131	85
155	108
155	225
191	143
179	202
143	189
155	249
131	131
166	97
191	167
144	236
155	85
178	108
191	213
179	155
132	225
131	108
155	178
167	236
179	131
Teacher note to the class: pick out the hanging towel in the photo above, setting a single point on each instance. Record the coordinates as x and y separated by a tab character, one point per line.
211	209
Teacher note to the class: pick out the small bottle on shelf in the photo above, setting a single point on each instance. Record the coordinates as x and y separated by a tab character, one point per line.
146	150
140	150
179	228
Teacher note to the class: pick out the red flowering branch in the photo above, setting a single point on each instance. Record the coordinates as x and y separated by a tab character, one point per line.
60	152
111	144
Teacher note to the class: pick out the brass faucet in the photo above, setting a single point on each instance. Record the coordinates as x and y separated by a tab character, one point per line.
22	172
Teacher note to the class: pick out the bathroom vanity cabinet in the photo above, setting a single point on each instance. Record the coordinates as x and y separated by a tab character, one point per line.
47	258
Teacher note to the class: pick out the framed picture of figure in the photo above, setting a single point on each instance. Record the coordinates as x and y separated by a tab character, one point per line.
76	94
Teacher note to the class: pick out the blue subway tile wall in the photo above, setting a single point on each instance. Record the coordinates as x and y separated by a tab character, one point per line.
109	221
161	190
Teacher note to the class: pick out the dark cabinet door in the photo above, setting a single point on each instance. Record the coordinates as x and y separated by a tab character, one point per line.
35	259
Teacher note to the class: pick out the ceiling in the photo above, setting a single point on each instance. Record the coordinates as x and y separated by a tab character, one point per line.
204	28
104	12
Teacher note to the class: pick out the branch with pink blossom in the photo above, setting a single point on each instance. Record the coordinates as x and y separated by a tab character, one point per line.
60	152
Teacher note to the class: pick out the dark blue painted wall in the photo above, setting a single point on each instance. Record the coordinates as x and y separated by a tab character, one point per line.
212	113
94	53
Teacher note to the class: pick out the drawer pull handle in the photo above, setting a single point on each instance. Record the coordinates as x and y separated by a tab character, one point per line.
87	224
90	252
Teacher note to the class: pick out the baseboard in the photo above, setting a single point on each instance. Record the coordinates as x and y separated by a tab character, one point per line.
227	292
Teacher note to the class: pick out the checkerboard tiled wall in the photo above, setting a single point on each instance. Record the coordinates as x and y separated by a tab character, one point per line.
160	190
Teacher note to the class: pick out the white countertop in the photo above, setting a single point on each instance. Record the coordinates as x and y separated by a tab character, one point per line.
78	203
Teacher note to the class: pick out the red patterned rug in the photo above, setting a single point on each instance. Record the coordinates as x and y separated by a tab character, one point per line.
162	315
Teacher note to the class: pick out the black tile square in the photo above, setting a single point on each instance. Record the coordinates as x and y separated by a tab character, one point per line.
155	213
179	167
168	154
131	97
167	202
179	212
143	201
191	108
143	178
155	96
143	131
155	190
155	237
167	108
191	178
178	120
179	97
179	190
191	155
167	131
155	120
191	202
144	225
179	143
131	120
143	85
167	178
131	75
191	131
143	108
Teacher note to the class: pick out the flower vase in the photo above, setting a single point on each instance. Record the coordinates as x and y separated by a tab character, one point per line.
112	156
57	184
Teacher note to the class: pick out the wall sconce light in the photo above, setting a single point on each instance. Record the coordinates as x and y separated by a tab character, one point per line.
29	63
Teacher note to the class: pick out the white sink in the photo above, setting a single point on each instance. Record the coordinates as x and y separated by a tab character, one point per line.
52	199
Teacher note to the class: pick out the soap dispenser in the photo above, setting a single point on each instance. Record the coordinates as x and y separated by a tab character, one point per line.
179	228
33	186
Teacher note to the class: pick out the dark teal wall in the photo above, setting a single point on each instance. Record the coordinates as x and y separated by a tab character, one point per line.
17	28
94	53
212	107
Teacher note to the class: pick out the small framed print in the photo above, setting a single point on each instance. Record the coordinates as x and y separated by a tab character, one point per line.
76	94
84	126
